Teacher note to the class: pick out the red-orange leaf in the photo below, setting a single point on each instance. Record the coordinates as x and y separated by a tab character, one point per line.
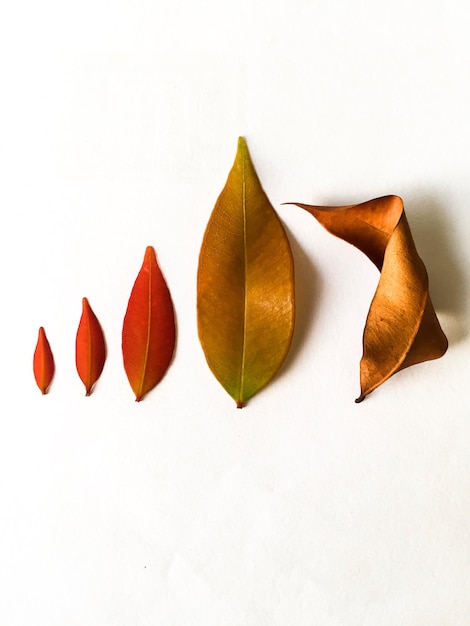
43	362
90	348
148	333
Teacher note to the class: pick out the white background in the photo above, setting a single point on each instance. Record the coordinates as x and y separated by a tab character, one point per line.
118	127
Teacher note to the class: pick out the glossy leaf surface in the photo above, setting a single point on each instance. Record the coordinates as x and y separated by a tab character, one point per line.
43	362
402	328
148	333
90	348
245	285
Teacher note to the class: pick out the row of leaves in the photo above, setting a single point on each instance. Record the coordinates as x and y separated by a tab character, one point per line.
148	337
245	297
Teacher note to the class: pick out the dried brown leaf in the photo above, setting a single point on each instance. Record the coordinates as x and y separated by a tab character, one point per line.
402	328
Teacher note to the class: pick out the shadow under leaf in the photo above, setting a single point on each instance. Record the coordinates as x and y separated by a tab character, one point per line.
449	286
308	288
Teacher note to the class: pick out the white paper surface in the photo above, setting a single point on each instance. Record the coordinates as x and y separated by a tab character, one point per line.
118	127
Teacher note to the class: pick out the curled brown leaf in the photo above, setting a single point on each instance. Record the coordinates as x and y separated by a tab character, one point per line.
402	328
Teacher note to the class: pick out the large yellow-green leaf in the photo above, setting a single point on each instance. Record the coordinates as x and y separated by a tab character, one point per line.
245	290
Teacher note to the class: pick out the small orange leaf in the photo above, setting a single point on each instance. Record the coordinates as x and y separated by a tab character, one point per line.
245	285
402	328
148	333
90	348
43	362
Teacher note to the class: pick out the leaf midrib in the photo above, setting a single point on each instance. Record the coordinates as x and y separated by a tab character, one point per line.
245	263
89	355
147	345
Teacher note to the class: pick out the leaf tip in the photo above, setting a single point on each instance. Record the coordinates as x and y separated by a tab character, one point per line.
242	150
150	254
360	399
240	404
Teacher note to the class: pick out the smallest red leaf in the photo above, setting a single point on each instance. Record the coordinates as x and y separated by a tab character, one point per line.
43	362
90	348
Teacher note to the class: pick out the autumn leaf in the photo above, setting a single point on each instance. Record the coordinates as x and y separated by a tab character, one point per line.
402	328
148	333
245	285
43	362
90	348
